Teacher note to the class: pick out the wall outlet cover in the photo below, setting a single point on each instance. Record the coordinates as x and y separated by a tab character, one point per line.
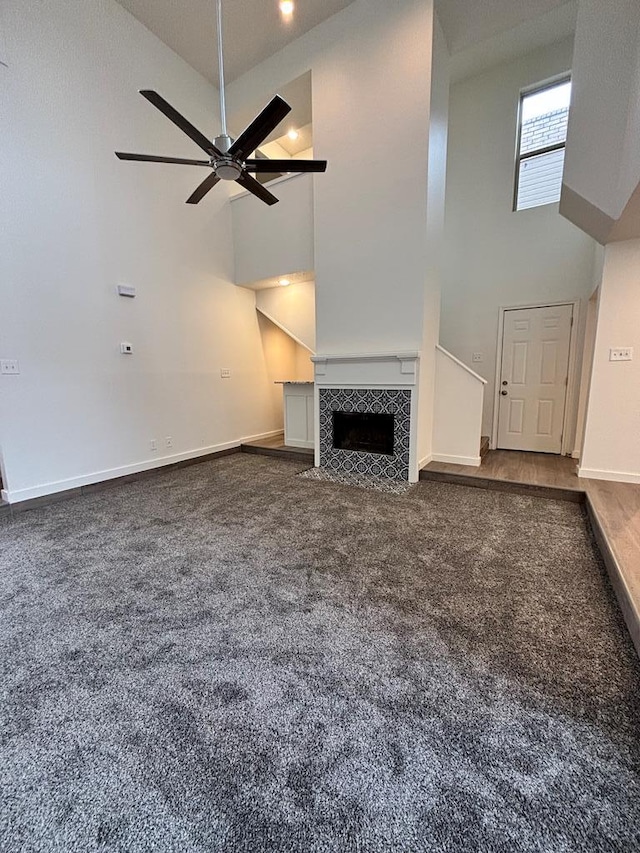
225	373
126	348
477	356
9	366
621	354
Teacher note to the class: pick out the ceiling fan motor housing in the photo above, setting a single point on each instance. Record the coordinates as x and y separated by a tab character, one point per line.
227	169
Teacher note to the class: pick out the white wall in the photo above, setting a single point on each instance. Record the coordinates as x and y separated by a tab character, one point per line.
436	195
612	432
293	308
280	354
271	241
495	257
371	76
75	222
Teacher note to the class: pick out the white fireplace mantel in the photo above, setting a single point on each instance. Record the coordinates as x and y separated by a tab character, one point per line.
372	369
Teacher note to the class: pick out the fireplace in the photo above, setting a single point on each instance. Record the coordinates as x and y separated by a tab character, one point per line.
368	432
365	431
366	414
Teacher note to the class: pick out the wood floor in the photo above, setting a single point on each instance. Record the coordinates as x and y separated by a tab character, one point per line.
275	446
514	466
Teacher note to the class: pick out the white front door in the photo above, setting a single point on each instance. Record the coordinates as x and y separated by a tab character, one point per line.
533	378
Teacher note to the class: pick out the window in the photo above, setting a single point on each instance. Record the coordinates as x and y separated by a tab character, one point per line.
542	134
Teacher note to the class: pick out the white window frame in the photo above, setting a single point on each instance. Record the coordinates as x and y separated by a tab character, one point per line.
524	93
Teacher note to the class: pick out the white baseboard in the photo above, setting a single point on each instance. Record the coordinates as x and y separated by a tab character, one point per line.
575	454
4	494
13	496
614	476
424	461
473	461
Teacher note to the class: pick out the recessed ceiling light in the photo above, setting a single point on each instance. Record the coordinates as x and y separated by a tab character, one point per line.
287	7
283	282
293	134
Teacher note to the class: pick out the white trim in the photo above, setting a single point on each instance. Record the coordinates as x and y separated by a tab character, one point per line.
368	356
284	329
287	176
461	364
425	461
614	476
571	366
4	494
473	461
124	470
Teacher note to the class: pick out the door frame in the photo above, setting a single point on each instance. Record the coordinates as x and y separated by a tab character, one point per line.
571	378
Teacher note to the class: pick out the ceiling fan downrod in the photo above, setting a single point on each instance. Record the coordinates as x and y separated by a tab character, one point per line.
222	142
229	160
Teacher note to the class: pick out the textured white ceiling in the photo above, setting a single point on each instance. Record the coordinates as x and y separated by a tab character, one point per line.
253	29
480	33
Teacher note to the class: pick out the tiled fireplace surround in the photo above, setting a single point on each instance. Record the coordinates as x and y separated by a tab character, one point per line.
377	382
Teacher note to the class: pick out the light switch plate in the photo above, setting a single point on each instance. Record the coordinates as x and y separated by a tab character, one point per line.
477	356
621	354
225	373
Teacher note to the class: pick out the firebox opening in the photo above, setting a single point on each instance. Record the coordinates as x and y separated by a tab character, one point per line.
366	432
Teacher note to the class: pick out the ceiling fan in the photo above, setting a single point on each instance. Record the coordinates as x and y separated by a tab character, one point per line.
229	158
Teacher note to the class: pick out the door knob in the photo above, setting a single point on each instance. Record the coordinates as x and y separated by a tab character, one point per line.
504	393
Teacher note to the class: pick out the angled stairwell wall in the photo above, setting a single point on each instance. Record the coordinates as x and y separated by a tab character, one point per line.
457	417
293	309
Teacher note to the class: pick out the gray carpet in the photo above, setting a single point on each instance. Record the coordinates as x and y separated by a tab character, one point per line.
231	658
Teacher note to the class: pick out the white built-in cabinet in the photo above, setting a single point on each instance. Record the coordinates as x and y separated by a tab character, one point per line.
298	414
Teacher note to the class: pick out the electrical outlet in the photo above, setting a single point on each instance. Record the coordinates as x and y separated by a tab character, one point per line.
153	444
621	354
10	366
169	441
225	373
477	356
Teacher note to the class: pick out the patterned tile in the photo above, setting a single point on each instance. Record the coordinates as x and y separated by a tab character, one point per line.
367	400
348	478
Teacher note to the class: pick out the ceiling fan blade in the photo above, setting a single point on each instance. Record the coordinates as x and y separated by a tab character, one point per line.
257	189
150	158
209	182
286	165
260	127
185	126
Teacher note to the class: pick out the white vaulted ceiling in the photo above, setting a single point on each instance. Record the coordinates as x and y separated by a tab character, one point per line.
469	22
477	31
253	29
